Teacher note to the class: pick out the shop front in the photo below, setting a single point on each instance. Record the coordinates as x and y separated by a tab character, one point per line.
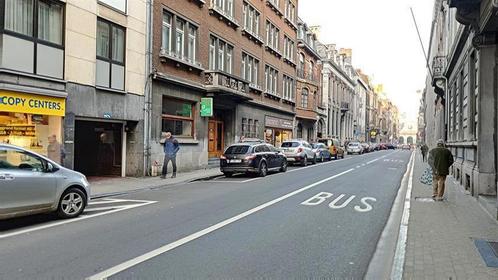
278	130
33	121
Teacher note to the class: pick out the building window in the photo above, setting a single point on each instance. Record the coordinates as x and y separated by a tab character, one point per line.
37	26
288	85
177	117
110	55
250	68
225	5
185	38
256	129
288	48
304	98
220	55
251	19
244	127
290	10
116	4
271	80
272	35
311	74
300	67
299	131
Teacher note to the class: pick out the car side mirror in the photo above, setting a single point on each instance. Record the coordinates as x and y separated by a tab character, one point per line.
51	168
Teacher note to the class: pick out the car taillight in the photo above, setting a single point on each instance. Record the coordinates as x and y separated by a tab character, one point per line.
251	157
223	157
300	150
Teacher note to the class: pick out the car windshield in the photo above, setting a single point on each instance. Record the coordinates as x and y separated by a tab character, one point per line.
237	150
290	144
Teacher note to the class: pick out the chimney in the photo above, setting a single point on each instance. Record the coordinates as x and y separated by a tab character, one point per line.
348	55
315	29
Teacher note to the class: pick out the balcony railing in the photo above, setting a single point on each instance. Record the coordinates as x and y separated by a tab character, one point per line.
274	5
221	81
181	59
253	36
224	15
302	43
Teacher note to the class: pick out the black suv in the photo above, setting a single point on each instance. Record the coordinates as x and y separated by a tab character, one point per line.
259	158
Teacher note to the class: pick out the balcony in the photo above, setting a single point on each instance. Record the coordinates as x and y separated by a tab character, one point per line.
344	107
438	79
223	15
467	10
253	36
255	88
273	50
165	55
301	43
226	84
290	22
273	4
290	61
272	94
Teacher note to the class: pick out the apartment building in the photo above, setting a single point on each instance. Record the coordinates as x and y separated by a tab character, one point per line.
238	58
77	70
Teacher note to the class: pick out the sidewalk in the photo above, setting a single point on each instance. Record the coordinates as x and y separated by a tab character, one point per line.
441	235
102	186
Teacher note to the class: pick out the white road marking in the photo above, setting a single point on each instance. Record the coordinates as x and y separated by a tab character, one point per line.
82	217
168	247
399	255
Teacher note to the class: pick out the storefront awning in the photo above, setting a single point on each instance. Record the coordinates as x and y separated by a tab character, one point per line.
24	102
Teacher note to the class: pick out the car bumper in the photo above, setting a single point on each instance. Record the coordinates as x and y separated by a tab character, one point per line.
238	169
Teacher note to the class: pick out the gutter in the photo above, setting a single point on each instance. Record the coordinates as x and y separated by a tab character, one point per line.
148	88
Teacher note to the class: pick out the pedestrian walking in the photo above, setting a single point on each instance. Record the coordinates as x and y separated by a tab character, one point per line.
440	160
171	148
55	151
424	149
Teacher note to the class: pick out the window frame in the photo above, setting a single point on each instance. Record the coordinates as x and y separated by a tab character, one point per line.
101	2
110	60
180	118
34	37
304	101
186	37
226	53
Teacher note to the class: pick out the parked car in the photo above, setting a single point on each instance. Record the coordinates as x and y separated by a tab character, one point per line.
252	157
406	147
382	146
322	152
366	147
354	148
31	184
298	151
335	148
390	146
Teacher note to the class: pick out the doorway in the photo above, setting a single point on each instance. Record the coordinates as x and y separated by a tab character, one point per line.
216	138
98	148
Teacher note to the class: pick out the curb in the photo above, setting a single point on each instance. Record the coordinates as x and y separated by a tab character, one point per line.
154	187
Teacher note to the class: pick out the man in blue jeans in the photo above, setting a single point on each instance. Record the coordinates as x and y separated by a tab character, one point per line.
171	148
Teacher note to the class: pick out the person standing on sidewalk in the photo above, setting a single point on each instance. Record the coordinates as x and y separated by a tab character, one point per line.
424	149
171	148
440	160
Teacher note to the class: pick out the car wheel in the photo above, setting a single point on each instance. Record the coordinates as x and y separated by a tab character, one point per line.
322	158
284	166
228	174
71	204
263	169
304	161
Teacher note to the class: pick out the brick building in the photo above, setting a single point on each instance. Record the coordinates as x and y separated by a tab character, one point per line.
242	54
309	123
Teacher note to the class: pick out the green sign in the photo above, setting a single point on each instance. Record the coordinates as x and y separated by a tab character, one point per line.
207	107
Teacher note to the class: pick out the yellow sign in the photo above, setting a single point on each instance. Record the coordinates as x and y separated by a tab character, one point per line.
32	104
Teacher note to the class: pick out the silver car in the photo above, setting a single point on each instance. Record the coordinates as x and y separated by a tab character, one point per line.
298	151
31	183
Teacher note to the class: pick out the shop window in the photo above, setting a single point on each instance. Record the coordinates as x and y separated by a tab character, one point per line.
178	117
110	55
32	37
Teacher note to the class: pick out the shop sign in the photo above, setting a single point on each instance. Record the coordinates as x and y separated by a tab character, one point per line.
32	104
207	107
18	130
278	123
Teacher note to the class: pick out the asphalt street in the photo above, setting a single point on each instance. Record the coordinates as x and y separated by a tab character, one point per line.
322	221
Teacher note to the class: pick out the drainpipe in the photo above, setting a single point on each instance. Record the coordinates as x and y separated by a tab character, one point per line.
148	89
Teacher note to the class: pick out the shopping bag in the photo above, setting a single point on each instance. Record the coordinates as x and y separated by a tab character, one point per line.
426	178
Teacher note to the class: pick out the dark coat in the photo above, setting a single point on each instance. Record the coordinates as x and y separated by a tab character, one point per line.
440	160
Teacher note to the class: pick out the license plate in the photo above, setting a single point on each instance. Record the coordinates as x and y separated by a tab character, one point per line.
234	161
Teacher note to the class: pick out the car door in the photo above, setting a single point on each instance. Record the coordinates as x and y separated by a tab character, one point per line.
274	156
24	184
309	150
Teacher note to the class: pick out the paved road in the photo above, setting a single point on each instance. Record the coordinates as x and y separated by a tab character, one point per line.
322	221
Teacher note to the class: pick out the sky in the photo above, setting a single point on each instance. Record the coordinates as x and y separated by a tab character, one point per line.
383	38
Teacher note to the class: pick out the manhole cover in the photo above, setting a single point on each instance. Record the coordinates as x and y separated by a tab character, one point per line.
424	199
488	251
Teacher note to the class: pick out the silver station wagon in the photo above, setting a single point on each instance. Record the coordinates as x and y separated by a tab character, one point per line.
31	183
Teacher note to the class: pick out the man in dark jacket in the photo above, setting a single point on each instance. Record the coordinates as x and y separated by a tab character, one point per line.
424	149
171	148
440	160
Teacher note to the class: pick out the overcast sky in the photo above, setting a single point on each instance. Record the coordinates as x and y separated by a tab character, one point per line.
383	38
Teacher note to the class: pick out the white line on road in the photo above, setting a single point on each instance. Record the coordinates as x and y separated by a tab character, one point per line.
147	256
399	255
81	218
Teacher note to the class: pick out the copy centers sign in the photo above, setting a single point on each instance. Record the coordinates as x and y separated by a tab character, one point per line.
32	103
207	107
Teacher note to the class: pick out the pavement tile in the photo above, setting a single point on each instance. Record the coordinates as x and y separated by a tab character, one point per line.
440	234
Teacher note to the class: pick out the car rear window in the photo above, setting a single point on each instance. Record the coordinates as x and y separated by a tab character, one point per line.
353	144
237	150
290	144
